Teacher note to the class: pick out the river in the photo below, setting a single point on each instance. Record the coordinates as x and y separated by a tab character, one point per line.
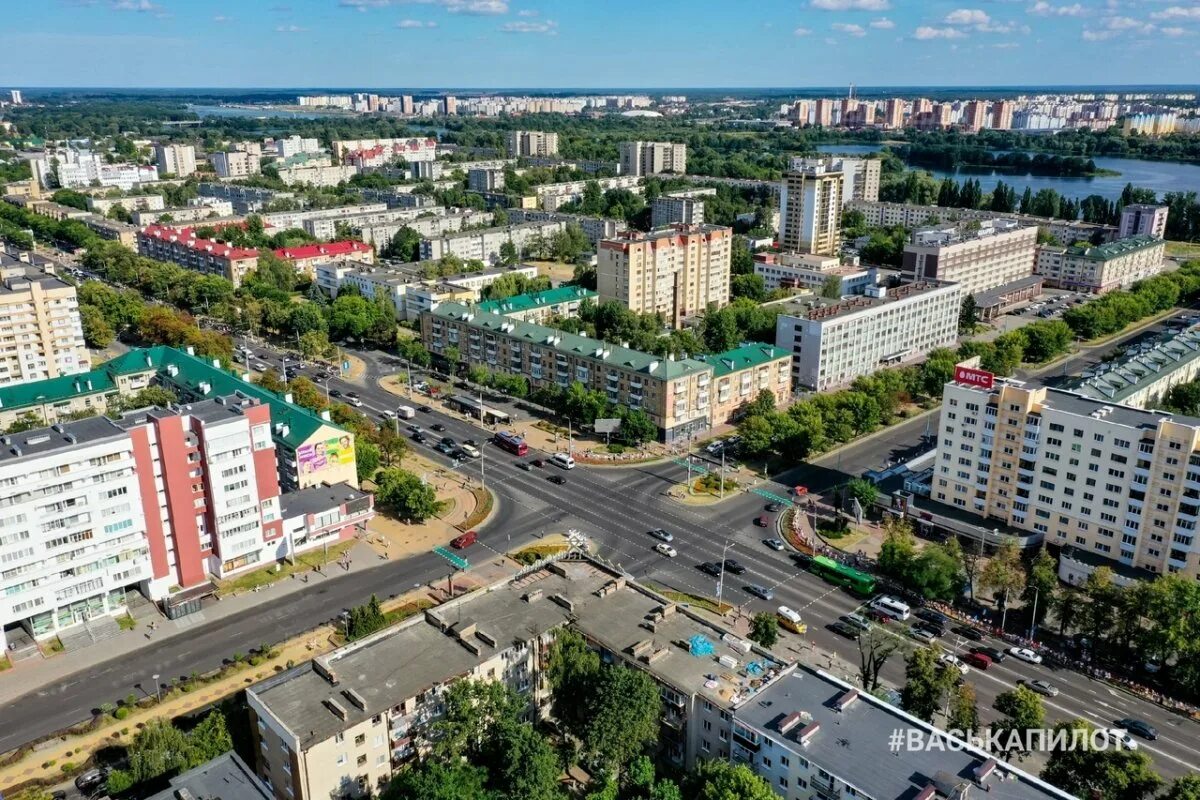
257	112
1161	176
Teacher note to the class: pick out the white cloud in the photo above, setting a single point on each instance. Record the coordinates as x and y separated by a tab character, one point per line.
926	32
527	12
363	5
967	16
802	32
289	29
221	18
849	29
409	24
549	27
1177	12
883	24
1174	31
141	6
1006	45
1044	9
851	5
1097	36
476	7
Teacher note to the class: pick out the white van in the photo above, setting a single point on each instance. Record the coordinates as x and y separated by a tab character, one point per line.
892	607
562	460
406	412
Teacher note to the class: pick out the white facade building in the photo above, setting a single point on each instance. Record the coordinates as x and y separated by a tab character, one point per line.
175	159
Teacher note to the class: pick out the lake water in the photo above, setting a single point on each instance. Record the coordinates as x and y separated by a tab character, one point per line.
1161	176
256	112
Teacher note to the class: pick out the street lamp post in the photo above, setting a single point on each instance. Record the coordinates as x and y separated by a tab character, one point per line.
482	476
721	576
157	687
1033	619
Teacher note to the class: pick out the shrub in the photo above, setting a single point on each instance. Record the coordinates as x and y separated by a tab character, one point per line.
49	764
122	712
67	767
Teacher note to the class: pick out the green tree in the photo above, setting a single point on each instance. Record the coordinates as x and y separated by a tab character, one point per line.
366	459
636	427
875	648
751	286
1184	788
715	779
306	318
937	572
273	272
964	714
864	491
720	330
1112	773
1004	572
97	333
925	684
475	712
968	315
433	779
1023	711
572	670
624	711
1041	588
898	550
523	764
508	253
406	495
405	245
764	629
314	344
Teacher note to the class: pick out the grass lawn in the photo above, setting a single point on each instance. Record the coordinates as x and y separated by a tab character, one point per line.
699	601
1185	249
530	555
267	575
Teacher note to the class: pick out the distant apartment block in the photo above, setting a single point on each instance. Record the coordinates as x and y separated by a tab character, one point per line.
295	145
77	169
1143	220
686	207
211	211
532	144
305	257
860	176
539	307
978	255
181	246
809	271
552	196
175	159
137	202
112	229
1099	269
595	228
811	208
380	231
245	199
485	180
677	271
235	164
317	176
653	158
41	336
484	245
403	149
911	215
835	341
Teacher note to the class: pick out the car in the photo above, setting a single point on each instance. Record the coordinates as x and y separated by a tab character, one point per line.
711	568
803	560
774	507
774	544
260	367
449	442
762	521
387	413
459	454
1120	737
1041	687
525	465
58	794
335	392
539	463
875	615
470	443
558	480
932	627
921	634
419	438
1140	727
661	535
351	394
664	548
92	780
444	449
977	660
437	426
951	661
1025	654
415	428
759	591
733	567
842	629
465	540
967	632
931	616
856	621
992	653
354	401
424	409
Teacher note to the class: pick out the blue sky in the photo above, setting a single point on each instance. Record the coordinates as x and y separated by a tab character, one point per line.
569	43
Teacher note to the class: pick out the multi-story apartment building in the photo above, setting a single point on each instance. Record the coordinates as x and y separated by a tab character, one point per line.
1139	219
1099	269
214	212
181	246
550	196
137	202
860	176
677	271
40	332
484	245
399	197
235	164
1142	376
77	169
1002	115
974	116
594	228
113	229
835	341
1115	481
175	159
811	208
809	271
540	307
406	149
686	207
911	215
245	199
317	175
485	180
336	726
427	222
893	114
410	291
532	144
295	145
811	735
306	257
653	158
977	255
741	374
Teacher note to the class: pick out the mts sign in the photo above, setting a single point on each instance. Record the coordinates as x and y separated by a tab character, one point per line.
974	377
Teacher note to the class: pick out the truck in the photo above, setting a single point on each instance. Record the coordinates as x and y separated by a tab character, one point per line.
406	412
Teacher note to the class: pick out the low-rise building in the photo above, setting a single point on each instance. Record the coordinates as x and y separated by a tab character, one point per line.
216	212
245	199
1006	297
484	245
540	307
41	335
979	254
430	222
912	215
811	271
1100	268
408	289
137	202
685	207
317	175
112	229
306	257
181	246
226	777
405	149
740	375
835	341
1146	371
594	228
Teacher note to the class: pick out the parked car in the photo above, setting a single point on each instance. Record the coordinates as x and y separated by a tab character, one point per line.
935	617
92	780
733	567
661	535
774	544
711	568
951	661
967	632
465	540
990	652
665	549
1140	727
1041	687
1025	654
759	591
856	621
842	629
558	480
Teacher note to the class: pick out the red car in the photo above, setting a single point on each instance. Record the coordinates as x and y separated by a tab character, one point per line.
762	522
878	616
466	540
977	660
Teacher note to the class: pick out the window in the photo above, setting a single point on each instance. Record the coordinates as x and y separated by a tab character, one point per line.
339	738
360	740
361	760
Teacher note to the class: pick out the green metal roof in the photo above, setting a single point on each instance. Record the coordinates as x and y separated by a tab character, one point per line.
1120	247
744	357
593	349
527	302
56	390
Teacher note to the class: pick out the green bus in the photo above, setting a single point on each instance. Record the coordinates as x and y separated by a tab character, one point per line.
860	583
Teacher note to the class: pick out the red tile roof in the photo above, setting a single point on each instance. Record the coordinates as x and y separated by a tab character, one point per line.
342	248
187	238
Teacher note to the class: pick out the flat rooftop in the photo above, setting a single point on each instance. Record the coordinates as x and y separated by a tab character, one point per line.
968	231
823	309
226	777
316	499
67	436
851	740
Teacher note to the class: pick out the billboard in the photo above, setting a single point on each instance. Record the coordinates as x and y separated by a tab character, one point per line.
974	377
317	456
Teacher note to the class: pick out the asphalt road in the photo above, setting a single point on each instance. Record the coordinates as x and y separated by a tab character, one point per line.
614	507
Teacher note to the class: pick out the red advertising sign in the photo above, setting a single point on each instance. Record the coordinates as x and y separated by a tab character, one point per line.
974	377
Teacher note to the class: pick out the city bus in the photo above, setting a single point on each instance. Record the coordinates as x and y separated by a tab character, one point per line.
512	443
860	583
